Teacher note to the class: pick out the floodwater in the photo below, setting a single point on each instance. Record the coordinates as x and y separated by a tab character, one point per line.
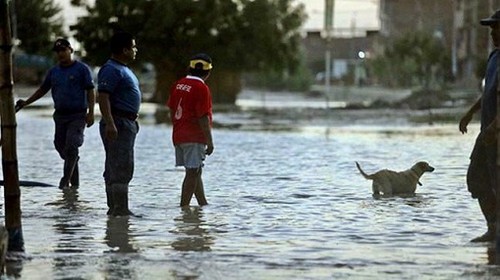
283	205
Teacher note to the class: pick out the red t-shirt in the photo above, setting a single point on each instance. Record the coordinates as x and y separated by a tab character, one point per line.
189	100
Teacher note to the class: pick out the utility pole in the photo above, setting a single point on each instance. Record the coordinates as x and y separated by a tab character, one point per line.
329	10
12	193
454	36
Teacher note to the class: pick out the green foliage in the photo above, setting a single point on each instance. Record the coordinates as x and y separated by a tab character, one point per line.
38	24
240	35
417	58
299	80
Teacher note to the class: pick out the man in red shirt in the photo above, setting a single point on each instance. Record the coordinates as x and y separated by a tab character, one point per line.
190	104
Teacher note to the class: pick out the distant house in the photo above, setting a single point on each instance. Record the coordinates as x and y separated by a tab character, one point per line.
472	42
398	17
455	22
346	54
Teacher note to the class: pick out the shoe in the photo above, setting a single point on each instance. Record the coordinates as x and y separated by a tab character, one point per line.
486	237
120	202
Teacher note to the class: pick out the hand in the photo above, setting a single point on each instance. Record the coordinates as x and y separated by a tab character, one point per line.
89	119
20	104
464	122
210	149
111	131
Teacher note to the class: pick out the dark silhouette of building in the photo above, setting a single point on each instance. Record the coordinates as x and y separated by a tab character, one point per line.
454	22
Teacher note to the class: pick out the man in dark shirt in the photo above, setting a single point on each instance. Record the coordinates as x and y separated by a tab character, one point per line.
481	174
119	101
74	98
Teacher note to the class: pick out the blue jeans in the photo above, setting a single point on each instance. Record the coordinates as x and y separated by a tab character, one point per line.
119	162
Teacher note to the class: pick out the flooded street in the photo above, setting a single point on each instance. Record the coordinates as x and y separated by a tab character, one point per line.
282	205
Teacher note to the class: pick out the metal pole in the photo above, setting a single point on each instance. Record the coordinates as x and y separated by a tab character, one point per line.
12	193
328	70
329	10
454	40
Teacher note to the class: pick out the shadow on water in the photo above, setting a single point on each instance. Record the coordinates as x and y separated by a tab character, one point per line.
190	231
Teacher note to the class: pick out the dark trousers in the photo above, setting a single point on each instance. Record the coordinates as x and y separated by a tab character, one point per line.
69	134
481	177
119	162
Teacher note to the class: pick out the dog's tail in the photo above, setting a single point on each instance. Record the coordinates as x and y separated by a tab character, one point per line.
362	172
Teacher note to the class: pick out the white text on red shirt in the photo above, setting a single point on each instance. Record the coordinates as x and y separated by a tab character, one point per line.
183	87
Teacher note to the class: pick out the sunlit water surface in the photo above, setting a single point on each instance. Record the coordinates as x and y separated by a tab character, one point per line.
283	205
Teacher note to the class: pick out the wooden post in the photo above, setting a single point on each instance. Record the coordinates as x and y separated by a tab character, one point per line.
12	193
497	211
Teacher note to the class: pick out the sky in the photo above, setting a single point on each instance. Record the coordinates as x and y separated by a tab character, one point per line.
362	14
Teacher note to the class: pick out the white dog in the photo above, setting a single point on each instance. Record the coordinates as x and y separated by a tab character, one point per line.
391	182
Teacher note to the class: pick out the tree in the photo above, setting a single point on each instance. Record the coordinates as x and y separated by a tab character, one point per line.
240	35
417	58
12	194
37	24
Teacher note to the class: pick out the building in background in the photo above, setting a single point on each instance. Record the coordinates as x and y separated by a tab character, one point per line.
455	22
347	54
398	17
471	41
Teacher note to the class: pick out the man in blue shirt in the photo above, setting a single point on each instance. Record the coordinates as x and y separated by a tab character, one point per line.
481	174
72	87
119	101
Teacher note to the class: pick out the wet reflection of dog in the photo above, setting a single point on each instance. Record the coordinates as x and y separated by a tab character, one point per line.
391	182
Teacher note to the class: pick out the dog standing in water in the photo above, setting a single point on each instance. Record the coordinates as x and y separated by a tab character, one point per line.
391	182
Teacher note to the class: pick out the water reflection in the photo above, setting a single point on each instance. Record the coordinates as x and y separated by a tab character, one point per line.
14	269
118	240
414	200
70	199
189	228
493	257
118	235
69	227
